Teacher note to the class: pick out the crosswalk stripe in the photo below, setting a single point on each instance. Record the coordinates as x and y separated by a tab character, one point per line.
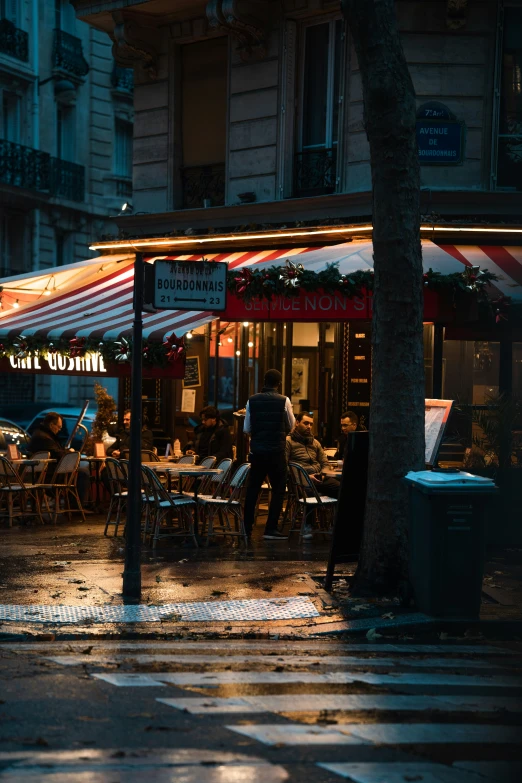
286	660
282	678
398	772
379	734
348	702
311	646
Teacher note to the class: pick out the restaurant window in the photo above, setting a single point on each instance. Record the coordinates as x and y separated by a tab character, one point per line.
509	150
316	165
11	116
123	148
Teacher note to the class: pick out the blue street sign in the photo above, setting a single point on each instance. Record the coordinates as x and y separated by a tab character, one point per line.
440	141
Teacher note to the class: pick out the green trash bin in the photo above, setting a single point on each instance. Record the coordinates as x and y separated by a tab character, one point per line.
446	542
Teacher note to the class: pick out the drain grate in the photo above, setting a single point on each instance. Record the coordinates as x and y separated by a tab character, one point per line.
295	607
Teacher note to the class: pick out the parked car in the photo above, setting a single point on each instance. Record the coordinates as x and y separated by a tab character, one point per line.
69	418
22	413
12	433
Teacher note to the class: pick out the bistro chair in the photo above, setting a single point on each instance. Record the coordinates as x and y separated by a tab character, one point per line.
211	485
227	511
38	471
309	500
164	505
63	487
117	477
188	481
147	455
12	488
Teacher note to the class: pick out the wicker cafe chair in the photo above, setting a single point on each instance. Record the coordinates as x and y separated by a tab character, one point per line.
216	483
63	487
14	494
309	499
39	471
163	505
188	481
146	455
228	511
117	476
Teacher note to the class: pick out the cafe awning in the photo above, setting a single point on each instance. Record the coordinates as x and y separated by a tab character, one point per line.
93	299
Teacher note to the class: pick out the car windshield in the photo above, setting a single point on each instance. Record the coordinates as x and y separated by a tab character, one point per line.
9	433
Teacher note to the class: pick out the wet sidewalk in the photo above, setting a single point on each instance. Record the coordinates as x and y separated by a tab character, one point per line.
65	581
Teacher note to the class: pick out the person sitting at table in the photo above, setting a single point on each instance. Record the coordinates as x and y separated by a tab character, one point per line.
213	438
122	442
349	423
45	438
303	448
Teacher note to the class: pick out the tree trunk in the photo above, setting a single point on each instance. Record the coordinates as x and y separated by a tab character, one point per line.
397	404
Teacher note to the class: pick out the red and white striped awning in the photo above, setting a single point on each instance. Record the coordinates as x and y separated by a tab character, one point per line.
97	301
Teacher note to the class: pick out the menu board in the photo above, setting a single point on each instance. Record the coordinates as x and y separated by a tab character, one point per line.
436	414
192	376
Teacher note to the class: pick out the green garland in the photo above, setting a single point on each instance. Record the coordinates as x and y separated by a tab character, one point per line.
288	281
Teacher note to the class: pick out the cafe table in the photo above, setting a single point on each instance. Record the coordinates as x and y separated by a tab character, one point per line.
333	471
197	472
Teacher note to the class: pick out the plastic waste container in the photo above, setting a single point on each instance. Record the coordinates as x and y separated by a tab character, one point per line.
447	533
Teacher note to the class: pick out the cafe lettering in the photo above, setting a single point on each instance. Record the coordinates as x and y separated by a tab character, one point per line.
91	363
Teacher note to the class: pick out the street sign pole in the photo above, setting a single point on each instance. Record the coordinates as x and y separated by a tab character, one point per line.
132	569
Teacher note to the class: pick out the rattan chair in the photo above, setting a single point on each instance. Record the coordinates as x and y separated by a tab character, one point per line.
38	471
63	487
162	505
117	476
225	515
309	500
15	494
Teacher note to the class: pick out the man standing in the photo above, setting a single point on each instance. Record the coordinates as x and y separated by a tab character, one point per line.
122	442
268	419
213	438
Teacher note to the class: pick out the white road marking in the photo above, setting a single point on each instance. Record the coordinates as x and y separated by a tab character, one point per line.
281	660
398	772
379	734
282	678
351	703
130	680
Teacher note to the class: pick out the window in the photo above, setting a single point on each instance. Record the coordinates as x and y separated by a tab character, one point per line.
509	155
63	248
64	16
315	170
123	148
13	259
65	132
11	116
9	10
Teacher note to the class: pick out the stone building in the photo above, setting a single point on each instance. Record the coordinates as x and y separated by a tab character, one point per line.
66	113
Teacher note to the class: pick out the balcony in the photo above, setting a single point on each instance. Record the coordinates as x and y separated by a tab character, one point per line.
13	41
203	186
68	54
315	172
24	167
123	79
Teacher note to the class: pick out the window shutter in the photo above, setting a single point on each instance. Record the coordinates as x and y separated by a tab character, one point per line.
287	116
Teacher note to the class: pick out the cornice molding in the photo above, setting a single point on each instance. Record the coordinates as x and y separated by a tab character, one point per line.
133	43
247	21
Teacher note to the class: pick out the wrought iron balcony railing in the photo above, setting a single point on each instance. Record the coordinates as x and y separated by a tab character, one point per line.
68	54
203	186
13	41
122	79
315	172
24	167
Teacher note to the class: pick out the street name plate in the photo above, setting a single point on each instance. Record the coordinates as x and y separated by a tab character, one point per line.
190	285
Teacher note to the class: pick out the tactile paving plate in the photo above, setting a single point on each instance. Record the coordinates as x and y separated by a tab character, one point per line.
206	611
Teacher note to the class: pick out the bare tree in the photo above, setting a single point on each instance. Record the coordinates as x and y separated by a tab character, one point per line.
397	405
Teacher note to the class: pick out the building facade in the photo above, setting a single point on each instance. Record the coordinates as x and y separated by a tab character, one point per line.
66	115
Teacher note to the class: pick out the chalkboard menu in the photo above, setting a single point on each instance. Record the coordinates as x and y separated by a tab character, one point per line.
192	376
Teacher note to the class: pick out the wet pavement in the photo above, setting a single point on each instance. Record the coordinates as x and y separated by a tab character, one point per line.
260	712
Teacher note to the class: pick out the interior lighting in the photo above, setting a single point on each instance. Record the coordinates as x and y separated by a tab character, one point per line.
238	353
246	323
230	340
16	304
220	343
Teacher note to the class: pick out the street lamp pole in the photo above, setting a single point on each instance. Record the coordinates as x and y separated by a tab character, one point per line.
132	568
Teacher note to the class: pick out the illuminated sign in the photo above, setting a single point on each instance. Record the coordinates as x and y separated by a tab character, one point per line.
58	363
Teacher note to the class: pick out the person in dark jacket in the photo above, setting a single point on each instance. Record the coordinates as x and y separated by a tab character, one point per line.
213	437
122	442
268	420
45	438
349	423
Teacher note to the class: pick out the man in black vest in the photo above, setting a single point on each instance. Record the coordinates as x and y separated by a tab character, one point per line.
268	420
